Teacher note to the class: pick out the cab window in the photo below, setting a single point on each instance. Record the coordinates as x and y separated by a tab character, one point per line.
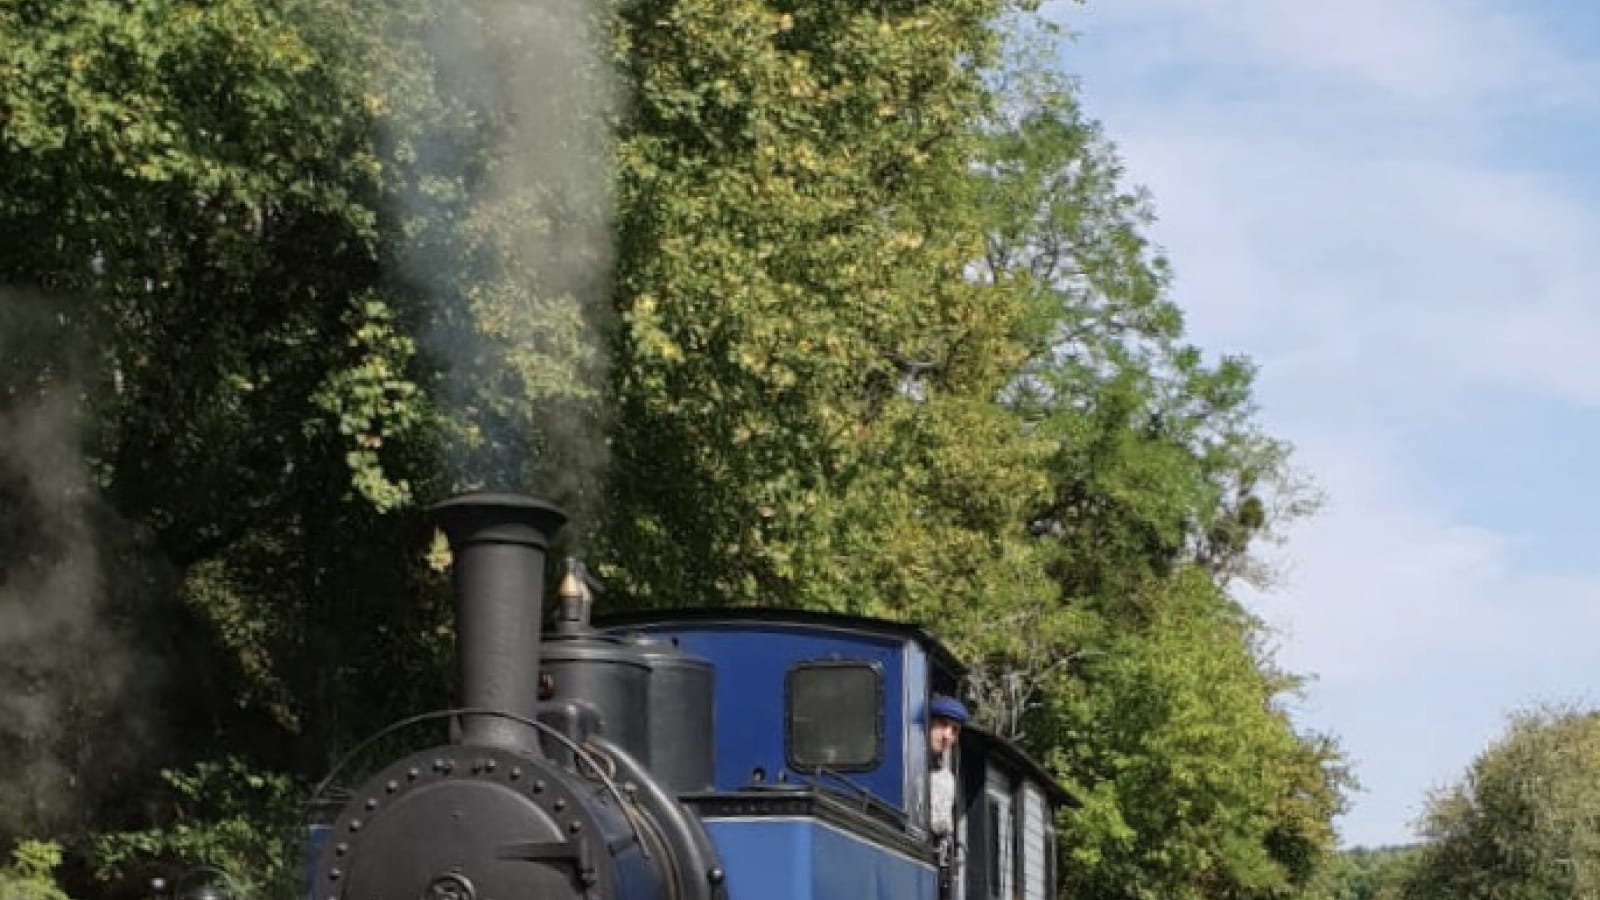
834	715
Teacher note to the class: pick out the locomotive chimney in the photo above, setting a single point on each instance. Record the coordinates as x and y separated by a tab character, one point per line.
498	543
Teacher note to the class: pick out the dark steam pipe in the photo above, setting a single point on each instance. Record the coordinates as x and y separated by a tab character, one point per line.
498	543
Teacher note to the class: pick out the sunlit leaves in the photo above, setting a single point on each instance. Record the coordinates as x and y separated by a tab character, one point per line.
373	401
797	321
31	872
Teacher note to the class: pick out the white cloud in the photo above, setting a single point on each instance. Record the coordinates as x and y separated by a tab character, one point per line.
1322	261
1383	587
1412	50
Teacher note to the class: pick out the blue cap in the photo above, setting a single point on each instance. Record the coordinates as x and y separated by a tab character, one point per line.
947	708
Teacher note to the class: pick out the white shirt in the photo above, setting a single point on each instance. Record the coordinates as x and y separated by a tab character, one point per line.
942	799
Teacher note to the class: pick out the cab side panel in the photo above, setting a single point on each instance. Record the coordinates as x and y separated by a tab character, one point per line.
803	858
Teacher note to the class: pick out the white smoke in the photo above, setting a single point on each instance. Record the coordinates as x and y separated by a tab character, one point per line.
519	267
65	670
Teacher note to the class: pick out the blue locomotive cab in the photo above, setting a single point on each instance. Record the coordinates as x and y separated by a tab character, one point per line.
812	699
821	784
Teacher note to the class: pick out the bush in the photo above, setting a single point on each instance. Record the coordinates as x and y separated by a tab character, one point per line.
31	874
225	815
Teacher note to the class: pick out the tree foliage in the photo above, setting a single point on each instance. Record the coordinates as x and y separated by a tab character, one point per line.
1522	821
31	873
221	815
1142	679
804	368
1367	873
194	186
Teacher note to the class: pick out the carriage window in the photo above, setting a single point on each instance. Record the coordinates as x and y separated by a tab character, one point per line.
835	716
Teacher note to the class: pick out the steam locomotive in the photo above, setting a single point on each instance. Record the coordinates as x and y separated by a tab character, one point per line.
689	755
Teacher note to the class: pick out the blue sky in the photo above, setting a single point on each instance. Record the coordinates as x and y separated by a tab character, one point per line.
1393	206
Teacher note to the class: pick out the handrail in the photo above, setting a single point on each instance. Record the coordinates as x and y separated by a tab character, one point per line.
578	752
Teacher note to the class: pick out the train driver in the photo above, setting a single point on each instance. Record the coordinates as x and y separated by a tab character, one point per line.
946	715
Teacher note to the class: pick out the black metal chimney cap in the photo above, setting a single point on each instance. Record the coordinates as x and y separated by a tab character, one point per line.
498	517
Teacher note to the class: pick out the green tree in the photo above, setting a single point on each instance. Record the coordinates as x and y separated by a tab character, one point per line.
805	373
1160	460
197	191
1194	784
1139	677
1521	823
193	183
218	815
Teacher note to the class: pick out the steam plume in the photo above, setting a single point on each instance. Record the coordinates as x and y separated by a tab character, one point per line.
512	203
67	721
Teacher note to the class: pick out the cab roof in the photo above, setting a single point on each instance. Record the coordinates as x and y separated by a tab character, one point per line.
736	616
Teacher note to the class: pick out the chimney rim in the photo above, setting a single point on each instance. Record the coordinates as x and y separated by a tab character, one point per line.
494	516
